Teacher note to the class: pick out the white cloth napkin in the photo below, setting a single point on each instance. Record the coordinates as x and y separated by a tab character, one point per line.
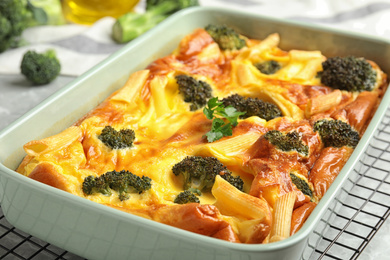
81	47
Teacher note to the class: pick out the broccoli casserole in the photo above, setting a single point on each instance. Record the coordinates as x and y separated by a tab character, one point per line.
229	137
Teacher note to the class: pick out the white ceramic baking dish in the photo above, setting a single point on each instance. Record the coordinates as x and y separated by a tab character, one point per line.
95	231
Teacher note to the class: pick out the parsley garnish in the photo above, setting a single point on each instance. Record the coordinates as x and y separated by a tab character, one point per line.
216	111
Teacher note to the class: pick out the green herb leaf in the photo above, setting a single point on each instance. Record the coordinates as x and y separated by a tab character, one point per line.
231	114
38	13
219	127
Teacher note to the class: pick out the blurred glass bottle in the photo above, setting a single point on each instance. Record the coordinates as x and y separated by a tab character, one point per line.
89	11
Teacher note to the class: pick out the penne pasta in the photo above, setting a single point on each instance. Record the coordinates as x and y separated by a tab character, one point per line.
157	86
323	103
231	201
252	216
232	150
309	70
259	49
132	87
242	74
299	55
282	214
241	158
55	142
270	41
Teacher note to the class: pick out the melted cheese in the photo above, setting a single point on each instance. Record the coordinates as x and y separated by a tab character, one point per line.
167	131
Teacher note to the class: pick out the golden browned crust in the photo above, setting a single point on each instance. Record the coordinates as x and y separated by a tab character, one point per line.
47	173
167	131
327	167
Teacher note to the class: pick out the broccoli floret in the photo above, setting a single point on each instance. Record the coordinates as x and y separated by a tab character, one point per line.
5	26
348	73
336	133
40	68
131	25
180	4
301	184
45	12
287	142
227	38
17	15
199	173
236	181
124	182
114	139
252	107
95	185
13	17
194	91
268	67
185	197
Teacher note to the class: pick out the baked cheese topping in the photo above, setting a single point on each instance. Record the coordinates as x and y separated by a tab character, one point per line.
280	188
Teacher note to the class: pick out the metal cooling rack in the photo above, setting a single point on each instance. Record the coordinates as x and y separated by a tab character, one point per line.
346	229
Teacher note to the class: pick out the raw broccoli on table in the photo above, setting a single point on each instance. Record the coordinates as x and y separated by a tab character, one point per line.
17	15
40	68
131	25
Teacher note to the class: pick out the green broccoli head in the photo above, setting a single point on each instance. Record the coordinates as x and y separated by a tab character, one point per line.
194	91
225	37
13	17
131	25
199	173
40	68
185	197
5	26
287	142
93	185
268	67
124	182
348	73
236	181
180	4
114	139
302	184
252	107
336	133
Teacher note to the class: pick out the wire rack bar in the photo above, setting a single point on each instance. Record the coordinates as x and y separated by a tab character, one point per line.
363	205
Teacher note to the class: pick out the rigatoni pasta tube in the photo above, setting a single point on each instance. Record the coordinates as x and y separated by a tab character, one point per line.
230	150
157	86
133	86
282	214
323	103
63	139
253	215
232	201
